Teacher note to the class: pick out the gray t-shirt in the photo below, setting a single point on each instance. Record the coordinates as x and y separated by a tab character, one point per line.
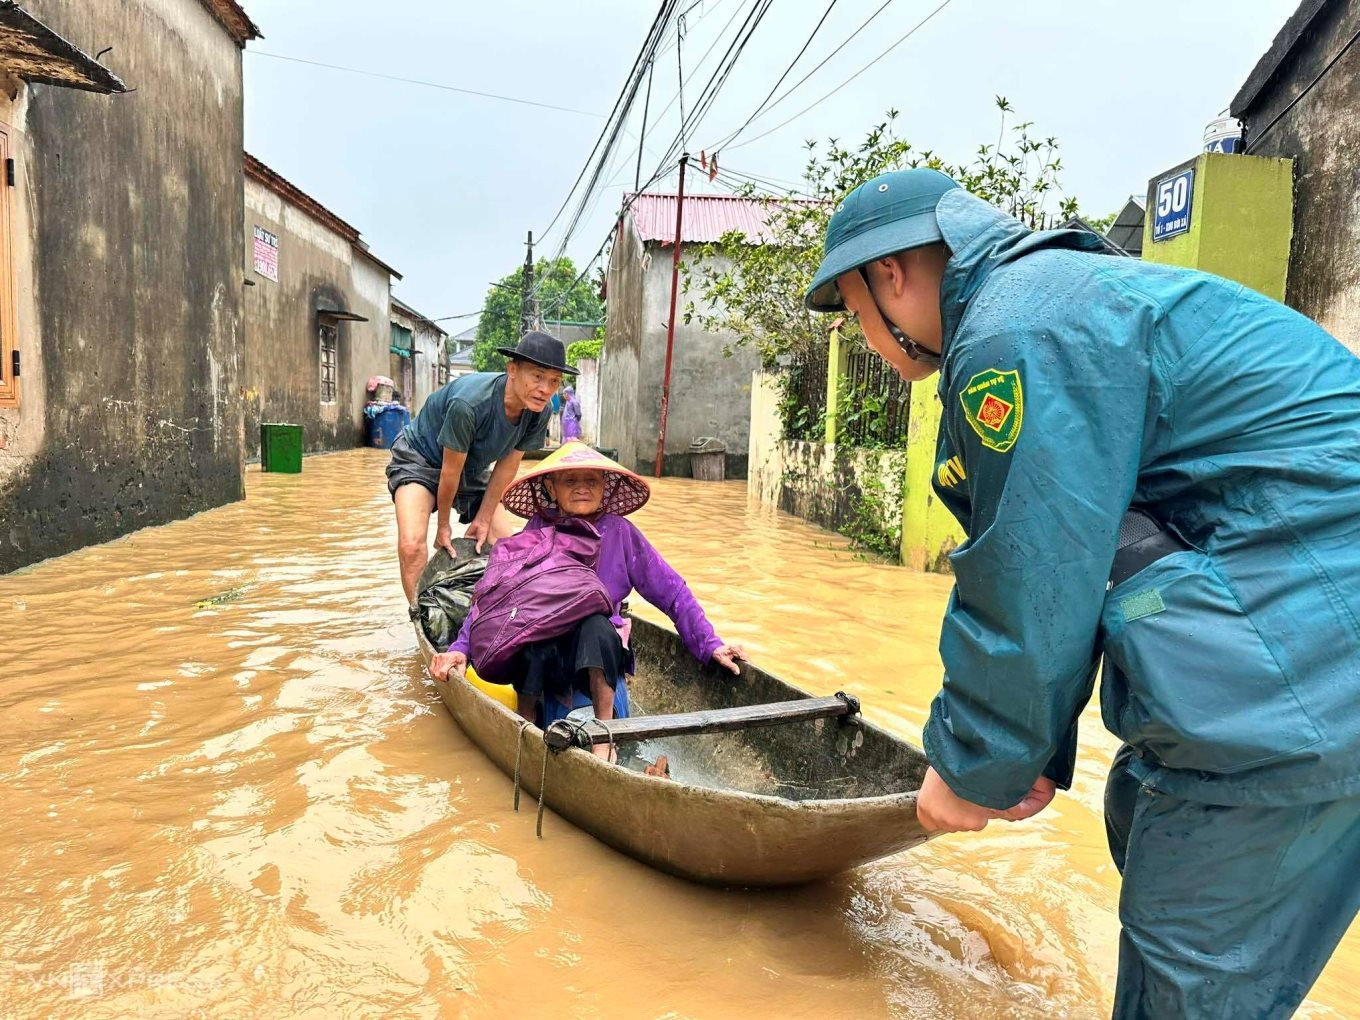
468	416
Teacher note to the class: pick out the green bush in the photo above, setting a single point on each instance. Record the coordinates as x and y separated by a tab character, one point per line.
584	350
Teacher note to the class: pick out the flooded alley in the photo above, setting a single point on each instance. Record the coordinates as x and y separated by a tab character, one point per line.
229	790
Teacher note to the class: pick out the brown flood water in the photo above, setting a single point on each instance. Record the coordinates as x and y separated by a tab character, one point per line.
260	807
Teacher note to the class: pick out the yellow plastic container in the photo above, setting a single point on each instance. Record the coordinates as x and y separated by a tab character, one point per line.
503	693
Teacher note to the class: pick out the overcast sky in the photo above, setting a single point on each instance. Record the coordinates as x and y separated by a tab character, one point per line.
444	185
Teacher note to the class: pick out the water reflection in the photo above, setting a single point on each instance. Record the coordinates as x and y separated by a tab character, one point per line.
228	790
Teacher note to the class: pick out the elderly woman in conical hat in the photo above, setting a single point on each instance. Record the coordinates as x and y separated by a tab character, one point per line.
591	660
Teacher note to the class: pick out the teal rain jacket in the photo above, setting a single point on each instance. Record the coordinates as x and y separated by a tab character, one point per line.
1074	385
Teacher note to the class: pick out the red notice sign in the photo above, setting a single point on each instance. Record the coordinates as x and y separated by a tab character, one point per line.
266	254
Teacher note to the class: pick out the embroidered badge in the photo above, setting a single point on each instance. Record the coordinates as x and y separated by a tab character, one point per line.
950	473
994	406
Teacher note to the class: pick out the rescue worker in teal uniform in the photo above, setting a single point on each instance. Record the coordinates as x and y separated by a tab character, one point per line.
1078	387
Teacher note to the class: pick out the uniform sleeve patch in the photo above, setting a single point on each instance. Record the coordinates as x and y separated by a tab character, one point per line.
950	473
994	405
1145	603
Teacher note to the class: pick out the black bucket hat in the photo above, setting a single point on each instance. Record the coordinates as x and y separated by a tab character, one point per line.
542	349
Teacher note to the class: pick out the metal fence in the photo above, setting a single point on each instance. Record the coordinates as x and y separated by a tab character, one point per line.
805	415
874	402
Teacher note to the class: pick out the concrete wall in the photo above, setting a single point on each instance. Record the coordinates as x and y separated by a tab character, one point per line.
423	369
710	392
588	393
827	484
1240	221
860	493
765	462
622	352
127	253
318	269
429	346
1321	133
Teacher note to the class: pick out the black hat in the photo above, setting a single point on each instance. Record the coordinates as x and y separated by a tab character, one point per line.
541	349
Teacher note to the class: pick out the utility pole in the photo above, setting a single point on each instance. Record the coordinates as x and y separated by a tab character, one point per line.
526	291
670	324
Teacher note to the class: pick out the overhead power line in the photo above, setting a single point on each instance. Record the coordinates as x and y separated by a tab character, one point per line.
717	79
799	83
712	87
914	29
603	146
787	71
707	97
695	69
427	84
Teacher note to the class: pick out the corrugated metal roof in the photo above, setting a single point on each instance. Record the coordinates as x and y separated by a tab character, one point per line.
707	217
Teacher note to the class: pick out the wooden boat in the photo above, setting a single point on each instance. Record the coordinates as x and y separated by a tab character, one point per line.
777	805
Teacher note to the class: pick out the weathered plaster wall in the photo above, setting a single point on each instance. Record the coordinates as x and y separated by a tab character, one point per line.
318	269
127	216
856	492
588	395
1322	134
710	392
430	353
622	350
765	463
369	342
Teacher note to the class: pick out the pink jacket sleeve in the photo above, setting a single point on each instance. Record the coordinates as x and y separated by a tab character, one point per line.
657	581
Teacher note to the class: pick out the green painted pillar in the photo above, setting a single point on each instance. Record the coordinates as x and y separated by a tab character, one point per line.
837	364
1240	213
929	531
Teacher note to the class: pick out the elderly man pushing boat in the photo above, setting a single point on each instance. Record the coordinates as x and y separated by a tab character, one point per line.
464	448
1162	467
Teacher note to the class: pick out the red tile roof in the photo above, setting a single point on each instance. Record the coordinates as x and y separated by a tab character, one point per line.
707	217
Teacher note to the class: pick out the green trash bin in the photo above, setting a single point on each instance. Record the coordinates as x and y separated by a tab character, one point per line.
281	448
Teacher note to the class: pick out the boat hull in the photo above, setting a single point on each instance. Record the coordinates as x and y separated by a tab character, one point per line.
776	806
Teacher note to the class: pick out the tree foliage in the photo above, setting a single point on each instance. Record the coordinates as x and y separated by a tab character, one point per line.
755	291
558	296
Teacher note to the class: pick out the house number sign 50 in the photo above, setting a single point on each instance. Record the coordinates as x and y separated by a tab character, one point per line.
1171	215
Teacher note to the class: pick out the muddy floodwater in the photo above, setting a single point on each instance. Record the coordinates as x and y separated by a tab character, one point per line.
227	790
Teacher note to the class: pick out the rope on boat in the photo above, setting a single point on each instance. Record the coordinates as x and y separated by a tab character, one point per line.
577	728
519	753
613	755
542	787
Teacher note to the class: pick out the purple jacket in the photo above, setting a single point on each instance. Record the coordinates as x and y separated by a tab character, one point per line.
629	562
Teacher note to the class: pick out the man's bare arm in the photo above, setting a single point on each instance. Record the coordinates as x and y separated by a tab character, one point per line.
450	472
501	476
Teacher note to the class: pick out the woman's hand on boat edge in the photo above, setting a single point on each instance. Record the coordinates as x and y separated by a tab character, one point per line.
729	658
445	663
940	809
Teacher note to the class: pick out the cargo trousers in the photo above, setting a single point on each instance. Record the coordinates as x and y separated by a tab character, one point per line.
1227	912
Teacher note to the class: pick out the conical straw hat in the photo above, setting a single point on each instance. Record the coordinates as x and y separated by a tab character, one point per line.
624	491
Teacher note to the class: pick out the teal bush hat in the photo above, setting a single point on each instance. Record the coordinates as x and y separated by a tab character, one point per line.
891	213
